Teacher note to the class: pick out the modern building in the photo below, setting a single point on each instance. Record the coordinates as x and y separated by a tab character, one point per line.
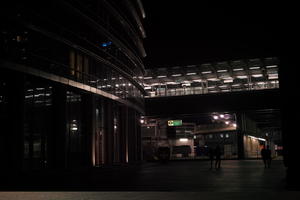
71	92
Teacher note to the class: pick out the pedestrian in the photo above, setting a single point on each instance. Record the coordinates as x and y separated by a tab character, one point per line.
218	157
211	156
264	155
268	156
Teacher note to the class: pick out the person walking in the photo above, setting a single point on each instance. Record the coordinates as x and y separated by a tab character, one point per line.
211	156
264	155
268	156
218	157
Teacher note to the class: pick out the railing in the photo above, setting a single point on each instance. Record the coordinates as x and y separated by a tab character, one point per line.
51	66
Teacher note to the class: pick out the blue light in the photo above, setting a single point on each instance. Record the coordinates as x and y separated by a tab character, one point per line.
105	44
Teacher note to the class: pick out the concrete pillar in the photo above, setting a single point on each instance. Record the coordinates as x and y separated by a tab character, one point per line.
240	121
288	81
57	149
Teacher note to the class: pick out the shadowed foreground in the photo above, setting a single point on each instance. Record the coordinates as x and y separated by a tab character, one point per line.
192	176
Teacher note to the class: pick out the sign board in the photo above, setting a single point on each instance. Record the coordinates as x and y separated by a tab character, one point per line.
174	122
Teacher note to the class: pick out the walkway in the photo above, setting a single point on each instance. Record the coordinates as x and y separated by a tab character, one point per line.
236	179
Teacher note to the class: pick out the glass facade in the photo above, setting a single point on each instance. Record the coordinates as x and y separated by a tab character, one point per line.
71	87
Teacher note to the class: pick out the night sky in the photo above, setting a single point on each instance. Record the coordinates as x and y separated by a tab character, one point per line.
190	32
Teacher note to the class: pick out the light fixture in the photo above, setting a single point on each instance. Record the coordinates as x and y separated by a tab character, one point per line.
142	121
228	81
197	80
183	139
254	67
213	79
191	73
222	70
234	125
176	75
253	137
242	77
271	66
216	117
257	75
206	72
161	76
148	77
223	86
227	122
238	69
222	116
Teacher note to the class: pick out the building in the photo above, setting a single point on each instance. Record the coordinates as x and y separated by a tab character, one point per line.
240	92
71	90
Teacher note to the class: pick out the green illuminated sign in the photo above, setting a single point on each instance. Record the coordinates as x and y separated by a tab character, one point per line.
175	123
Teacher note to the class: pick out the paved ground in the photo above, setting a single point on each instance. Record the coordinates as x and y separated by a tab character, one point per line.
189	176
236	179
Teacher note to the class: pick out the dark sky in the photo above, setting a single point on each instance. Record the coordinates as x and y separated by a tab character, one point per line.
191	32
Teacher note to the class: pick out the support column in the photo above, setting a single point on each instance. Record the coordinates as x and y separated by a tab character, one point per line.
89	129
57	147
14	131
108	132
240	121
288	81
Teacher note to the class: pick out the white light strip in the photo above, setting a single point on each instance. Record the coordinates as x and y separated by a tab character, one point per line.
236	85
206	72
213	79
191	73
257	75
273	77
228	81
273	74
262	139
197	80
147	88
222	70
238	69
161	76
227	77
271	66
171	83
175	75
148	77
242	77
183	139
254	68
223	86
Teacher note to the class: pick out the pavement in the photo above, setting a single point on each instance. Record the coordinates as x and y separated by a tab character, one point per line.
237	179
